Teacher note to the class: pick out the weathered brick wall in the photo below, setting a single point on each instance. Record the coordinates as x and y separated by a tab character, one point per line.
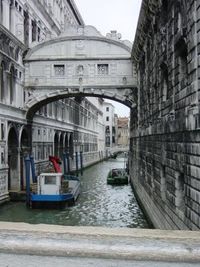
165	132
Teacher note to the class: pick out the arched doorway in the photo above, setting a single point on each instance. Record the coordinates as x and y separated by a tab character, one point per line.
61	148
24	151
13	160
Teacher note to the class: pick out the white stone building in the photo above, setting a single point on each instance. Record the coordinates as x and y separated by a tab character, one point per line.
123	131
110	125
72	124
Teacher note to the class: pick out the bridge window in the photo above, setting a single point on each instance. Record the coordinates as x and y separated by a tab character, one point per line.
102	69
59	70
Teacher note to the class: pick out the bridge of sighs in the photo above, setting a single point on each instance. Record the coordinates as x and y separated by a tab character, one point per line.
80	62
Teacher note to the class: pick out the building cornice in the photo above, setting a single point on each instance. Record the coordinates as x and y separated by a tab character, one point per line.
76	12
13	38
148	10
74	38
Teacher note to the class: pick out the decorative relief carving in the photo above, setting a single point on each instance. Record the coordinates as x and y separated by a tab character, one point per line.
3	182
8	46
80	45
80	70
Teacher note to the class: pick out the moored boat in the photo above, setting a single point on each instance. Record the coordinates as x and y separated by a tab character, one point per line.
50	189
117	176
54	189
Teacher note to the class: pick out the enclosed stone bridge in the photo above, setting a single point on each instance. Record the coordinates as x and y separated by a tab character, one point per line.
81	62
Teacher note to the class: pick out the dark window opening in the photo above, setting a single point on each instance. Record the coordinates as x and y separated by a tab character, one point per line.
34	30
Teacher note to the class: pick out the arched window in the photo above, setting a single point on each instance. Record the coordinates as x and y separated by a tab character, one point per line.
164	82
2	81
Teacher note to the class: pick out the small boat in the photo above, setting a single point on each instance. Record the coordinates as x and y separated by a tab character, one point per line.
50	189
54	189
117	176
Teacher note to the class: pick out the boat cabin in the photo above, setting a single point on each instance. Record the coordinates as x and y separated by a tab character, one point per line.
50	183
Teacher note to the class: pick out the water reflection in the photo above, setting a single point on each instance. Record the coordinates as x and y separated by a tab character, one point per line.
98	205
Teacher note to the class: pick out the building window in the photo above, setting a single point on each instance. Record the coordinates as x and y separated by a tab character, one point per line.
34	30
164	82
2	131
102	69
180	201
12	84
107	108
59	70
107	140
2	81
183	66
2	158
107	118
107	129
38	37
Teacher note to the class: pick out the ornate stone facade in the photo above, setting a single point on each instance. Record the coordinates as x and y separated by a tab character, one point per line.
165	155
67	124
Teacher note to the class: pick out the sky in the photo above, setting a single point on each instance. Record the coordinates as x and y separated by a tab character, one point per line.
107	15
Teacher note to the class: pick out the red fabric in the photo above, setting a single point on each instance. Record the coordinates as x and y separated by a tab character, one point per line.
56	163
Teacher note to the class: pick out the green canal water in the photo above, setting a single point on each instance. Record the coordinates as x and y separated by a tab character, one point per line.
99	204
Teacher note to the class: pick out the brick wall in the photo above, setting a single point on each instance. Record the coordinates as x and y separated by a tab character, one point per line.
165	127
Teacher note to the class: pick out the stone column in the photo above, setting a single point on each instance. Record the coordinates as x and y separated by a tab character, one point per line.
12	18
30	31
1	69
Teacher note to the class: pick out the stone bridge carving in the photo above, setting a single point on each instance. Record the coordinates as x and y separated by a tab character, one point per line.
80	62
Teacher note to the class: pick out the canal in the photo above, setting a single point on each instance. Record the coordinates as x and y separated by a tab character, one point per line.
99	204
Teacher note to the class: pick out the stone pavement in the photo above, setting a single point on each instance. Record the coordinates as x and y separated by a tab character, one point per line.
52	245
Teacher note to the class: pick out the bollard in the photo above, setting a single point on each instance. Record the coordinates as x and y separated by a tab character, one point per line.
76	163
27	168
34	177
68	163
81	161
64	163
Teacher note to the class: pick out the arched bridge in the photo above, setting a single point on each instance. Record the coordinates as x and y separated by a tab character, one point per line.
81	62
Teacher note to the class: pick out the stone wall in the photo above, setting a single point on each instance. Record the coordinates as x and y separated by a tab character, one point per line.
165	128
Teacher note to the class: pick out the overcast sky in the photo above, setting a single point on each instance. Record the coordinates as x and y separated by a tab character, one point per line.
107	15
